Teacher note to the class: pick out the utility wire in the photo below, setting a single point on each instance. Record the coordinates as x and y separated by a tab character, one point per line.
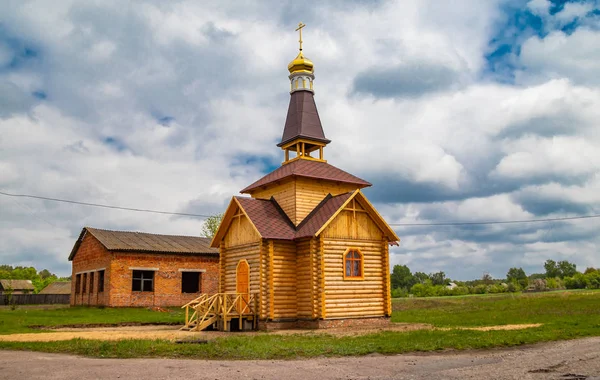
391	224
103	206
497	221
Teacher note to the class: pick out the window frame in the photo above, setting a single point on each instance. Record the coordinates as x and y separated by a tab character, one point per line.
101	281
84	287
143	280
362	264
199	273
78	283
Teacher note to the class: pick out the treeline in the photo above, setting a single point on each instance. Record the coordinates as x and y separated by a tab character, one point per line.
558	275
39	279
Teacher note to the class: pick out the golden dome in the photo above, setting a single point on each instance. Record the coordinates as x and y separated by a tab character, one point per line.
301	64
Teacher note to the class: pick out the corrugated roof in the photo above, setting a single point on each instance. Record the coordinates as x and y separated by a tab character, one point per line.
308	169
58	287
17	284
267	217
145	242
302	119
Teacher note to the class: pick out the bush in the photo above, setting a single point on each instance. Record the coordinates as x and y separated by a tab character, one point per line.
479	289
513	287
539	284
592	280
554	283
497	288
578	281
399	293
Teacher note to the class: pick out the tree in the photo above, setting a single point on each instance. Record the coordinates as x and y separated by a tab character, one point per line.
420	277
45	273
517	275
487	278
211	224
402	277
566	269
589	270
438	278
561	269
551	268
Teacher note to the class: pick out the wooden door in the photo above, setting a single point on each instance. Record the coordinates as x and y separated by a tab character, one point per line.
242	283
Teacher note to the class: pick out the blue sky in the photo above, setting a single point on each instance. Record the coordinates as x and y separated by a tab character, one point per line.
470	111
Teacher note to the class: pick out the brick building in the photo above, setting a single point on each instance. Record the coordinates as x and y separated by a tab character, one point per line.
117	268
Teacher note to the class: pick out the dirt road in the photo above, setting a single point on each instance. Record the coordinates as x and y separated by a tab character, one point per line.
576	359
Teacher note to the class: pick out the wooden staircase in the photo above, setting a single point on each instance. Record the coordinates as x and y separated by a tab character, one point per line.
218	310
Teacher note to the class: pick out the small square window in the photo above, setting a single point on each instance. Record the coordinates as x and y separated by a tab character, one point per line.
142	281
191	282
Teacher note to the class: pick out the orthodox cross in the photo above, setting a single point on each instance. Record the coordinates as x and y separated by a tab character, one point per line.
299	29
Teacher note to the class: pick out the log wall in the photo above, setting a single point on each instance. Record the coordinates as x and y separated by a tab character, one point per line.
284	271
354	298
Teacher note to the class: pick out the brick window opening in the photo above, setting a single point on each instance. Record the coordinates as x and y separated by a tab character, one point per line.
353	262
143	281
84	285
78	283
92	282
190	282
100	281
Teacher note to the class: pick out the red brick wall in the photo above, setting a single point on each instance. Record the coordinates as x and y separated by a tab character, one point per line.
90	256
167	279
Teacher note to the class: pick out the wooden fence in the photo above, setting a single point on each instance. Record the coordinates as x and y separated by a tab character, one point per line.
34	299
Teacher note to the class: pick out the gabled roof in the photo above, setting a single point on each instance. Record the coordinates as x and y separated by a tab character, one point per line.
302	119
145	242
321	214
270	222
308	169
58	287
17	284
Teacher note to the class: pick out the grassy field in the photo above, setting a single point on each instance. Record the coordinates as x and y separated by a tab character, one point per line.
22	319
564	315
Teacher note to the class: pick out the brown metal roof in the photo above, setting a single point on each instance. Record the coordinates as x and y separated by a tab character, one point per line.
320	215
145	242
308	169
17	284
270	221
302	119
58	287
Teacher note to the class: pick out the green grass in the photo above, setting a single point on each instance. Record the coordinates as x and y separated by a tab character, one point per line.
565	315
21	319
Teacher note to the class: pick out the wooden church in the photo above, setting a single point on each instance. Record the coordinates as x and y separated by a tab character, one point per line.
306	245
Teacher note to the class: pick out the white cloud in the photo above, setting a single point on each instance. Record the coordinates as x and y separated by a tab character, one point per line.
558	55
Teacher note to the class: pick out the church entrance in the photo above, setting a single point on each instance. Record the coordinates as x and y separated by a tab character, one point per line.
242	283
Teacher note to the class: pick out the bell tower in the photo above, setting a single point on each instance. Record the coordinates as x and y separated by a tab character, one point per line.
303	133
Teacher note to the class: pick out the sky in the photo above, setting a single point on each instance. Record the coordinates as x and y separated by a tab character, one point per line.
463	111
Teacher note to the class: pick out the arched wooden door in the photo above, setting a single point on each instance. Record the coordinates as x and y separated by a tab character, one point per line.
242	283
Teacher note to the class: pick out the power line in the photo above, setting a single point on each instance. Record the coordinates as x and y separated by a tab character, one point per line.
497	221
391	224
103	206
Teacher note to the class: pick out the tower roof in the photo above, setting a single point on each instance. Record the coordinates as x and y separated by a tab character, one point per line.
308	169
303	119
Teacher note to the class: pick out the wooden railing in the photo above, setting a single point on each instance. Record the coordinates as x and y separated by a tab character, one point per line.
219	309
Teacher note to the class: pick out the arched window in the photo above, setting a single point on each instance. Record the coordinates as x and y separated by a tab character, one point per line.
353	264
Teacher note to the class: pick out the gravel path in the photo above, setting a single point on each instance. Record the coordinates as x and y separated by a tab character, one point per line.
567	360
